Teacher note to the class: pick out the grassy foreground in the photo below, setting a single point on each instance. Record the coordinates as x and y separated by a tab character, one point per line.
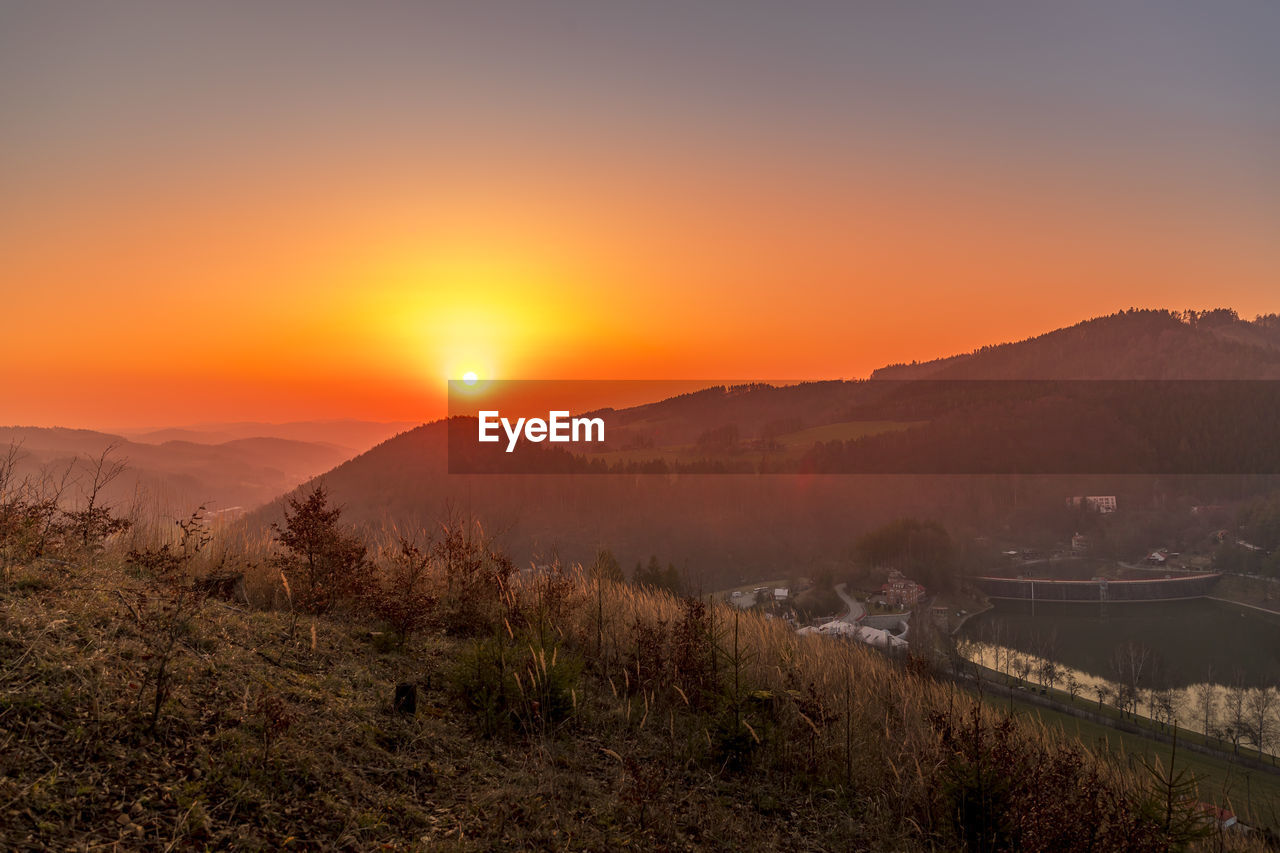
554	712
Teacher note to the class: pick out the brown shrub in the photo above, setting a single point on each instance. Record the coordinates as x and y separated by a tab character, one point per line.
401	594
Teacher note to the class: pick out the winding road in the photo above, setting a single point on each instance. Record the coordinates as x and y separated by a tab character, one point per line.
856	610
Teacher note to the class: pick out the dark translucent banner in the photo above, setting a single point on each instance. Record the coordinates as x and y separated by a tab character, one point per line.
865	427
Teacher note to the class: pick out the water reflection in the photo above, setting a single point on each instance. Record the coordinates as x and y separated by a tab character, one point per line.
1143	659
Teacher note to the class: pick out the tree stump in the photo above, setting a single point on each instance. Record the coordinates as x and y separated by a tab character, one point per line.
406	701
225	585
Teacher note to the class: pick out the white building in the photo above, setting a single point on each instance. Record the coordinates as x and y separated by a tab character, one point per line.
875	637
1100	503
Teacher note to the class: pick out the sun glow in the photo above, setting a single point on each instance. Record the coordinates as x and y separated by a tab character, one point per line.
478	313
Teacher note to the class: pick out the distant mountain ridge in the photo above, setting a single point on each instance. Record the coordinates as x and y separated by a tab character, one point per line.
240	473
1134	344
353	435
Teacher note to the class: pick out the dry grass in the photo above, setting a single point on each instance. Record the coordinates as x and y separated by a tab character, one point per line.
724	731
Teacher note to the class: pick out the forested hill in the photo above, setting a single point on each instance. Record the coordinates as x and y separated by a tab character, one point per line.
1134	344
722	529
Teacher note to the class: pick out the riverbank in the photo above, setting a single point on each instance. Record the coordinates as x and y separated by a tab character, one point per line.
1246	785
960	622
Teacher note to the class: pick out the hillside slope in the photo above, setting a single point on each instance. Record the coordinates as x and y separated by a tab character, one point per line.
1129	345
555	721
725	530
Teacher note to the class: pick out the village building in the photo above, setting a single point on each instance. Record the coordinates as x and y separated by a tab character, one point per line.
1103	504
901	591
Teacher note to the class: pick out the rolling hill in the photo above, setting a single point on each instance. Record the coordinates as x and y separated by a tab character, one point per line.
353	436
234	475
1139	344
724	529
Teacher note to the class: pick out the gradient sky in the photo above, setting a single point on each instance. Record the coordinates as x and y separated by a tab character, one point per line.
289	210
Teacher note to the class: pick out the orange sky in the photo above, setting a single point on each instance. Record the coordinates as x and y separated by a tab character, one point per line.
186	248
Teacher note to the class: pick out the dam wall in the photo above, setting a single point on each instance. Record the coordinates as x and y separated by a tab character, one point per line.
1098	589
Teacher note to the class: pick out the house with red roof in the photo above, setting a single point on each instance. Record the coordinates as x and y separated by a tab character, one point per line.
901	590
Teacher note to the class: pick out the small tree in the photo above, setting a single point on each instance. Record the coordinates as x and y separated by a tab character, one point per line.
34	519
93	522
477	575
1131	663
327	562
655	576
1173	794
1260	706
276	717
401	596
1206	701
167	605
606	567
1023	666
1237	712
1047	672
1102	691
1073	685
648	575
1163	706
29	515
